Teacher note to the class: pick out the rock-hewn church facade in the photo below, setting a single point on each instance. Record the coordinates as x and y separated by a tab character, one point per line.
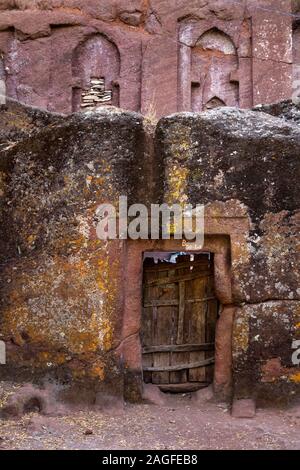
85	319
155	57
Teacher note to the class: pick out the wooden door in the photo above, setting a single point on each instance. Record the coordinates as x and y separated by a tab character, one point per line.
178	323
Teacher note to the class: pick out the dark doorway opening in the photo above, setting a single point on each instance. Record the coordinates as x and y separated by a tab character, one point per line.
179	316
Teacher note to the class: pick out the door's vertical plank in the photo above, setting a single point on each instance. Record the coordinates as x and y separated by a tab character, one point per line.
163	327
181	312
179	358
175	377
208	292
197	327
147	327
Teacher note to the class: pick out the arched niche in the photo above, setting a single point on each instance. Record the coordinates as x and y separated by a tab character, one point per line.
214	60
96	70
216	40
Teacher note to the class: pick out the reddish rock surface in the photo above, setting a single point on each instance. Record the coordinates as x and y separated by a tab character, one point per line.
157	57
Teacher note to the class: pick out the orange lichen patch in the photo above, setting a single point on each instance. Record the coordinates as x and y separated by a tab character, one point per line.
50	358
107	281
98	180
82	341
177	184
31	239
297	322
81	267
67	180
38	359
179	176
60	313
273	370
103	273
3	178
295	378
74	243
13	321
177	172
97	370
18	121
100	185
106	334
78	373
34	334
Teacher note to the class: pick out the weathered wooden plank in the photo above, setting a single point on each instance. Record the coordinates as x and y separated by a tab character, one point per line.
163	328
182	270
185	387
181	313
161	303
187	277
179	348
175	357
150	326
197	327
196	301
171	266
146	336
194	365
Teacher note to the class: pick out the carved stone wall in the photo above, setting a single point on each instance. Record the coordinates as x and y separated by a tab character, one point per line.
156	56
70	303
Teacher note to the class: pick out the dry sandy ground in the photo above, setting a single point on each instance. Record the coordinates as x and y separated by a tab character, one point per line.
179	424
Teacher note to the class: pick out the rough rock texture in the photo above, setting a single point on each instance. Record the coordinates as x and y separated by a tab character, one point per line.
233	155
262	350
18	122
287	110
245	165
295	6
166	57
70	303
60	285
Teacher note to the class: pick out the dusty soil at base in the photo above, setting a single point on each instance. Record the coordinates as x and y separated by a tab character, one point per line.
179	424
